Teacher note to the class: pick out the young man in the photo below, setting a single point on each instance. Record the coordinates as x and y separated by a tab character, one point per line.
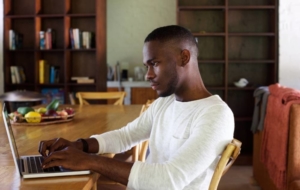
187	127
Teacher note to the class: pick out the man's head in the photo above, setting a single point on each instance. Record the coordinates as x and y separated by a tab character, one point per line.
170	54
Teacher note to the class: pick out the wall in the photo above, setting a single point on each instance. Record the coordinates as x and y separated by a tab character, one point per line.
129	22
289	43
1	50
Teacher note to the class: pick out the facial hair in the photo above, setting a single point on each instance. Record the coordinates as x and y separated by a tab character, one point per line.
171	86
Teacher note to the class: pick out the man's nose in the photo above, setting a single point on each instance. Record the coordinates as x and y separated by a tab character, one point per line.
150	73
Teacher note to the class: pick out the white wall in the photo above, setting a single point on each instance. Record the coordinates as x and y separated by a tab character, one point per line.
289	43
129	22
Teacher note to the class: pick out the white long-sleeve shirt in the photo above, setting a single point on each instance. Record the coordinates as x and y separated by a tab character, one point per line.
185	141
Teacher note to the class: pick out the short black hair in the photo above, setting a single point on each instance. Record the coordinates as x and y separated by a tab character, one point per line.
171	32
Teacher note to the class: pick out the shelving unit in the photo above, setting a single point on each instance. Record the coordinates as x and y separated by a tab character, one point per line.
237	39
30	17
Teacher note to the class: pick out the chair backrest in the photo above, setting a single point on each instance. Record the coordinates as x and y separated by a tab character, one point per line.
140	150
83	96
228	157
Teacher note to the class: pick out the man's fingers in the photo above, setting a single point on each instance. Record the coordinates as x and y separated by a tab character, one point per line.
52	164
42	150
54	157
58	144
45	145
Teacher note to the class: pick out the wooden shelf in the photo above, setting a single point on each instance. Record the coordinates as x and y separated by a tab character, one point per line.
236	39
19	16
257	7
200	7
30	17
81	15
244	88
50	50
252	61
209	34
81	84
79	50
21	84
215	87
211	61
20	50
252	34
50	16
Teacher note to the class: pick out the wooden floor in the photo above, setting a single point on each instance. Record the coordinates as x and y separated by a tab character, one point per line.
237	178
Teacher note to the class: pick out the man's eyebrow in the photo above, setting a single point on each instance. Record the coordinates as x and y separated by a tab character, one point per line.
149	60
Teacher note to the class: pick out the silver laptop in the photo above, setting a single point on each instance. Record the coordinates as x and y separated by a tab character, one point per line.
31	166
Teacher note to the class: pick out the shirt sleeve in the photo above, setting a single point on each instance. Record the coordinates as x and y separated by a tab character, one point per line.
208	137
128	136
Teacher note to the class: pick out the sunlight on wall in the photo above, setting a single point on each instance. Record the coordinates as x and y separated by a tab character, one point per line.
289	43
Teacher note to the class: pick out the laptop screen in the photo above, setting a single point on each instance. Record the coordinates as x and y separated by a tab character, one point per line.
11	138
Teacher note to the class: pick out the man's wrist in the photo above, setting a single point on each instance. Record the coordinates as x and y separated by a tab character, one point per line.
83	145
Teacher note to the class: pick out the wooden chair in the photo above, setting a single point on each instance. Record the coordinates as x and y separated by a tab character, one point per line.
228	157
83	96
138	153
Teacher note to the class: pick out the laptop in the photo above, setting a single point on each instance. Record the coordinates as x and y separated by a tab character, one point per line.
31	166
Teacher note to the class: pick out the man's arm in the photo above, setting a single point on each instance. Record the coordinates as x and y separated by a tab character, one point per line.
72	157
116	170
111	168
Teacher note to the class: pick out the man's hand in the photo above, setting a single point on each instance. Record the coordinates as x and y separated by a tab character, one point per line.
69	158
55	145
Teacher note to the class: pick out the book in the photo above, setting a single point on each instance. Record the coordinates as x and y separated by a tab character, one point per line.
54	74
42	40
76	78
12	44
13	76
76	36
18	40
72	44
48	40
82	81
86	39
17	74
22	73
42	71
51	94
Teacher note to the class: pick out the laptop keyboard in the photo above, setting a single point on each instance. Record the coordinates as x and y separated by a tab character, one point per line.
35	165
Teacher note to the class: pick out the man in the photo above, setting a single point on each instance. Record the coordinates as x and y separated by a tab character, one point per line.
187	127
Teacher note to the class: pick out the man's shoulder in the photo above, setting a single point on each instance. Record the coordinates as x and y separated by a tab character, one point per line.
213	103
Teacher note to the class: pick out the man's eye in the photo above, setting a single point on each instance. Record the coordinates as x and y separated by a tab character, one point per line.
154	63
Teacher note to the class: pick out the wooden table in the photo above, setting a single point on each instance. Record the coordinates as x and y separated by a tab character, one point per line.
89	120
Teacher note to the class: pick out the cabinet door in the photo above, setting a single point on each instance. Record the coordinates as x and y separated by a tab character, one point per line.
141	95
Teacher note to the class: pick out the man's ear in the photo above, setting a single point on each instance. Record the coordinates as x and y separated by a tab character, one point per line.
185	57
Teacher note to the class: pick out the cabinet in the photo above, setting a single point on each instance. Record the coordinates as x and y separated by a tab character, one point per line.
30	17
236	39
140	95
